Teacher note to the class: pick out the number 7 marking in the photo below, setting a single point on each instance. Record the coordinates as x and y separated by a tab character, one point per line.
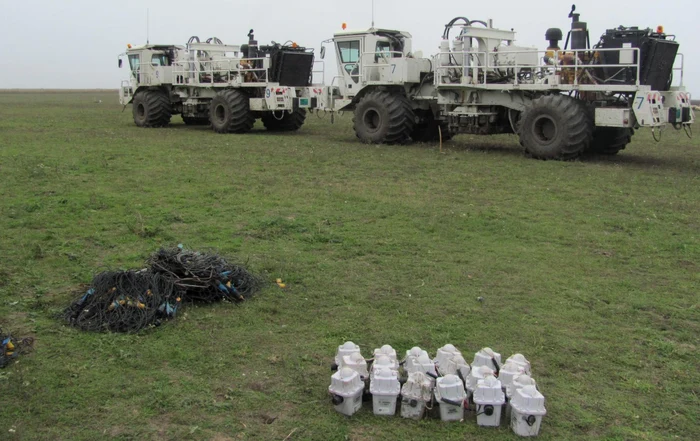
641	101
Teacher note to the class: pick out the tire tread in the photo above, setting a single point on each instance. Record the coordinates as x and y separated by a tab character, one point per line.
401	118
577	127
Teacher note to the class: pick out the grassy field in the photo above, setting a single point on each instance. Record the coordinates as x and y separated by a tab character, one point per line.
589	268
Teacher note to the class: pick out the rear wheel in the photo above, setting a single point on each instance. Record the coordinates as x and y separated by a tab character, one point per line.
610	140
195	120
383	117
555	127
151	108
288	122
230	112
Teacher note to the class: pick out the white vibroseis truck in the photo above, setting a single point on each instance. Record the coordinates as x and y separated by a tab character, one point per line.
560	102
227	86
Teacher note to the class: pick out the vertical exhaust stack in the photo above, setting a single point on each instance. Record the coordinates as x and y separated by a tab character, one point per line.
252	45
578	35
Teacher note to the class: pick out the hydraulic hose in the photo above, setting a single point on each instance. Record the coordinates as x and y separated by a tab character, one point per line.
448	26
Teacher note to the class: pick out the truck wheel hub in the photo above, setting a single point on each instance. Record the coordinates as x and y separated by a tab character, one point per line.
545	129
220	113
372	120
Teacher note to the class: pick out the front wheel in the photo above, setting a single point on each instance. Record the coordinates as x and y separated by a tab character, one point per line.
383	117
555	127
151	108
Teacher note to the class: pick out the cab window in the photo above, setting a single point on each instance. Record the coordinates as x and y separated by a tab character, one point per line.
349	51
383	49
135	64
159	60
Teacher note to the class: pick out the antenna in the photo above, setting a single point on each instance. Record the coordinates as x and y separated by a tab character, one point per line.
148	12
372	13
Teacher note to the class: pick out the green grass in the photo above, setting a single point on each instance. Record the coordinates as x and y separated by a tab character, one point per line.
590	268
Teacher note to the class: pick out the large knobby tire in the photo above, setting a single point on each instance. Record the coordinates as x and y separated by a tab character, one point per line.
383	117
610	140
430	130
195	120
287	122
151	108
230	112
555	127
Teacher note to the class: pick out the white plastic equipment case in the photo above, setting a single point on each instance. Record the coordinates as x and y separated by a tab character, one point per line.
450	395
390	352
346	388
382	362
489	399
487	357
356	362
411	357
385	388
422	364
444	354
521	361
415	394
518	382
527	411
508	372
456	366
346	348
475	375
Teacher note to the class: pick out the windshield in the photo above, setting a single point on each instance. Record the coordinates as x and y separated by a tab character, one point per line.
134	62
349	51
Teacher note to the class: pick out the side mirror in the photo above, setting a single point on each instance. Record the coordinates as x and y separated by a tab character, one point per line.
323	52
120	63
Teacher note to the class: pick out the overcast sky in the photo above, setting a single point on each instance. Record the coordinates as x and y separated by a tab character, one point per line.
75	43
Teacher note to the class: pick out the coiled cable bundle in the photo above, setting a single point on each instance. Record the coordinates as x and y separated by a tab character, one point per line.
129	301
124	301
205	277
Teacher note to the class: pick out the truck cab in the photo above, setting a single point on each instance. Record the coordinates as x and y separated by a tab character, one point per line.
149	65
376	57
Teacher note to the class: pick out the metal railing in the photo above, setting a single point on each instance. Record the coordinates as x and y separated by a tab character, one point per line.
125	90
221	72
676	69
380	65
321	71
475	66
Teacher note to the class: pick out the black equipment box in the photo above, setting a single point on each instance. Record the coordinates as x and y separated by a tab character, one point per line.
291	67
657	57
